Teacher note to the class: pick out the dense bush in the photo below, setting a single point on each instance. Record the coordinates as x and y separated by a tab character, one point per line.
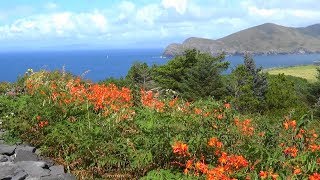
194	75
248	87
96	131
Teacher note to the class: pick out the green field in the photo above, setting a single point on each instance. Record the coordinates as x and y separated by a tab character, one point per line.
308	72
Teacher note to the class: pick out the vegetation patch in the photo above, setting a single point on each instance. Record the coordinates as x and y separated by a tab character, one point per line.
252	126
308	72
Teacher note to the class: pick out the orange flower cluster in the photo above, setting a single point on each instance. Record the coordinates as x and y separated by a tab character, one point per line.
297	170
217	173
41	124
173	102
314	176
289	124
245	126
265	175
314	147
227	164
149	99
232	162
103	98
214	142
291	151
180	149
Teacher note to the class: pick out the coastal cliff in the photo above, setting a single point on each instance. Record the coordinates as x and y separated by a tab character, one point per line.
263	39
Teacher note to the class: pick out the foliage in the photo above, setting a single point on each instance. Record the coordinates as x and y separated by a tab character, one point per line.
281	93
248	86
194	75
97	131
121	82
140	75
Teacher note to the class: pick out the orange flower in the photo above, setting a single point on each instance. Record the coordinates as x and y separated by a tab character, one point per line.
227	105
263	174
292	151
220	116
245	126
217	173
214	142
202	167
289	124
223	158
314	176
197	111
38	118
296	171
274	176
173	102
180	148
314	147
41	124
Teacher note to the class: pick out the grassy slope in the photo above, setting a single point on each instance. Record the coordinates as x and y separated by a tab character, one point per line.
308	72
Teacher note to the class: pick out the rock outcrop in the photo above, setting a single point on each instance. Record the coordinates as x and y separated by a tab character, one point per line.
21	162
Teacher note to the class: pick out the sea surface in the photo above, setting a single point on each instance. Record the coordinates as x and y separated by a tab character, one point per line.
99	64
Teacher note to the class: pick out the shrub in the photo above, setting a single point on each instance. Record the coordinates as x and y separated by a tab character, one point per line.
194	75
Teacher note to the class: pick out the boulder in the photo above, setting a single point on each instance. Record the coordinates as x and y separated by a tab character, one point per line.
22	155
7	149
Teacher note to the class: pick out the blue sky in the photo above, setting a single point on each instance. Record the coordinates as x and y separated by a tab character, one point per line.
108	24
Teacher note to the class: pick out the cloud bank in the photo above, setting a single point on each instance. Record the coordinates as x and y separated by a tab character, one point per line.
128	24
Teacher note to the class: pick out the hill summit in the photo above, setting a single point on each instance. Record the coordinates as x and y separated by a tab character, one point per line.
267	38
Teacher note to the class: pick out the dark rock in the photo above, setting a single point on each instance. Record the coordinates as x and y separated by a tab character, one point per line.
7	149
56	170
8	170
20	176
34	168
22	155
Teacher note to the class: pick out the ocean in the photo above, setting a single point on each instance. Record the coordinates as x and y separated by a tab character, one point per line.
100	64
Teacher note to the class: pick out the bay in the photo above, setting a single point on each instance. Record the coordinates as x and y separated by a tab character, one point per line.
99	64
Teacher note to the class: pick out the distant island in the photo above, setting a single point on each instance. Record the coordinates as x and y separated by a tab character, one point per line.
263	39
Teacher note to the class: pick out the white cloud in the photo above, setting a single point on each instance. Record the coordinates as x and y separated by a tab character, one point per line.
160	22
148	14
65	24
179	5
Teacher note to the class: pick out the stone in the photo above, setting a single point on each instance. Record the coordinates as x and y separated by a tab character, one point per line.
8	170
7	149
56	170
20	176
22	155
57	177
26	148
34	168
4	158
69	176
32	178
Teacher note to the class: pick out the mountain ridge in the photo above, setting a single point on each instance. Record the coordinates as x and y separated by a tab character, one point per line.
266	38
